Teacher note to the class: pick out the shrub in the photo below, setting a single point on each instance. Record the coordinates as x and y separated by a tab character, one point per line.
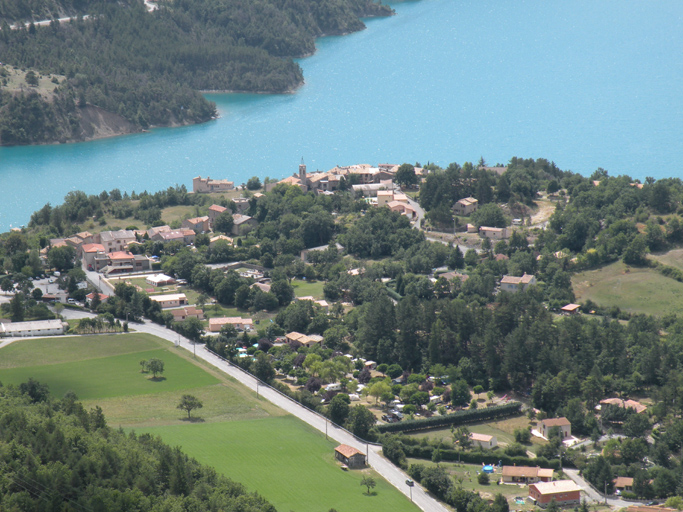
483	478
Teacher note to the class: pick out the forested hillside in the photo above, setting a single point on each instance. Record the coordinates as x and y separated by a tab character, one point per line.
148	67
55	455
12	11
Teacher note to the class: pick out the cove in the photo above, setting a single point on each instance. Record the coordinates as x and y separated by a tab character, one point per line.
585	84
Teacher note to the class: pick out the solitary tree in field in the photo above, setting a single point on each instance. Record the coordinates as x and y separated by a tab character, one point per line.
369	482
189	403
143	365
156	366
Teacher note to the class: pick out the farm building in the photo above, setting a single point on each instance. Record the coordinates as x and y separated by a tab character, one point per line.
565	493
526	475
350	456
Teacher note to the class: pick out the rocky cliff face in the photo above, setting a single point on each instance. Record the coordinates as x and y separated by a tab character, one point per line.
96	123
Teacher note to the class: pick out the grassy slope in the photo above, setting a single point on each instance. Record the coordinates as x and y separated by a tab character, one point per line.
295	468
251	440
640	290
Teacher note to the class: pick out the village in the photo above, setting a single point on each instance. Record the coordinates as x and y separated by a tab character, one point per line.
212	279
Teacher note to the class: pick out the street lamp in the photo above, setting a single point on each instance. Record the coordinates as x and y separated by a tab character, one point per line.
410	485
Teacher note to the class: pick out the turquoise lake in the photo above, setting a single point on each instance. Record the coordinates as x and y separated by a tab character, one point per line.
586	84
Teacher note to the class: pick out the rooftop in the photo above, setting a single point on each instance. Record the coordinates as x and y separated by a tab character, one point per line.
556	422
558	486
348	451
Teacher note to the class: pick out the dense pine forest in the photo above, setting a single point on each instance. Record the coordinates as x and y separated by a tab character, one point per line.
147	68
55	455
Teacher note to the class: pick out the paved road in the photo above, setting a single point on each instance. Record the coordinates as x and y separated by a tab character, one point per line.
595	496
391	473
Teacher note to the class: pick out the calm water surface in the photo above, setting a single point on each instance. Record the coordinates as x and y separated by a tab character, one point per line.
587	84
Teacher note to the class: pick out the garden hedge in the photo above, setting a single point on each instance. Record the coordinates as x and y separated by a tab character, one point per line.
456	418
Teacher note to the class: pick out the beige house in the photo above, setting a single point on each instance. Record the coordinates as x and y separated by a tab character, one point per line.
514	284
180	315
94	257
113	241
242	224
302	339
465	206
623	483
526	475
185	236
218	238
240	324
241	204
626	404
174	300
124	261
493	233
349	456
198	224
384	197
322	303
214	211
565	493
486	442
206	185
159	229
562	423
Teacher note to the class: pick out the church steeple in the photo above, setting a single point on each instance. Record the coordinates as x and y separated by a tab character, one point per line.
302	172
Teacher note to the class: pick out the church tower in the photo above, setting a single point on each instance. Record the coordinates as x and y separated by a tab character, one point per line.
302	172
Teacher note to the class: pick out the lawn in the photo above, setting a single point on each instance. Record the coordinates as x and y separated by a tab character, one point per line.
112	376
49	351
308	288
289	462
635	290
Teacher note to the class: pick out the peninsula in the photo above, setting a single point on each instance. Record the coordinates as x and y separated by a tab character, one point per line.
111	68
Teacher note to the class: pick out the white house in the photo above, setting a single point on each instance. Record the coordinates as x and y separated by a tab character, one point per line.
483	440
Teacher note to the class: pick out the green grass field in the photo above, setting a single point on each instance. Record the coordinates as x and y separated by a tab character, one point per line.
47	351
113	376
308	288
290	463
640	290
248	439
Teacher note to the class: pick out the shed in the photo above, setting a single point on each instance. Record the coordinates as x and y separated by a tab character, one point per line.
350	456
